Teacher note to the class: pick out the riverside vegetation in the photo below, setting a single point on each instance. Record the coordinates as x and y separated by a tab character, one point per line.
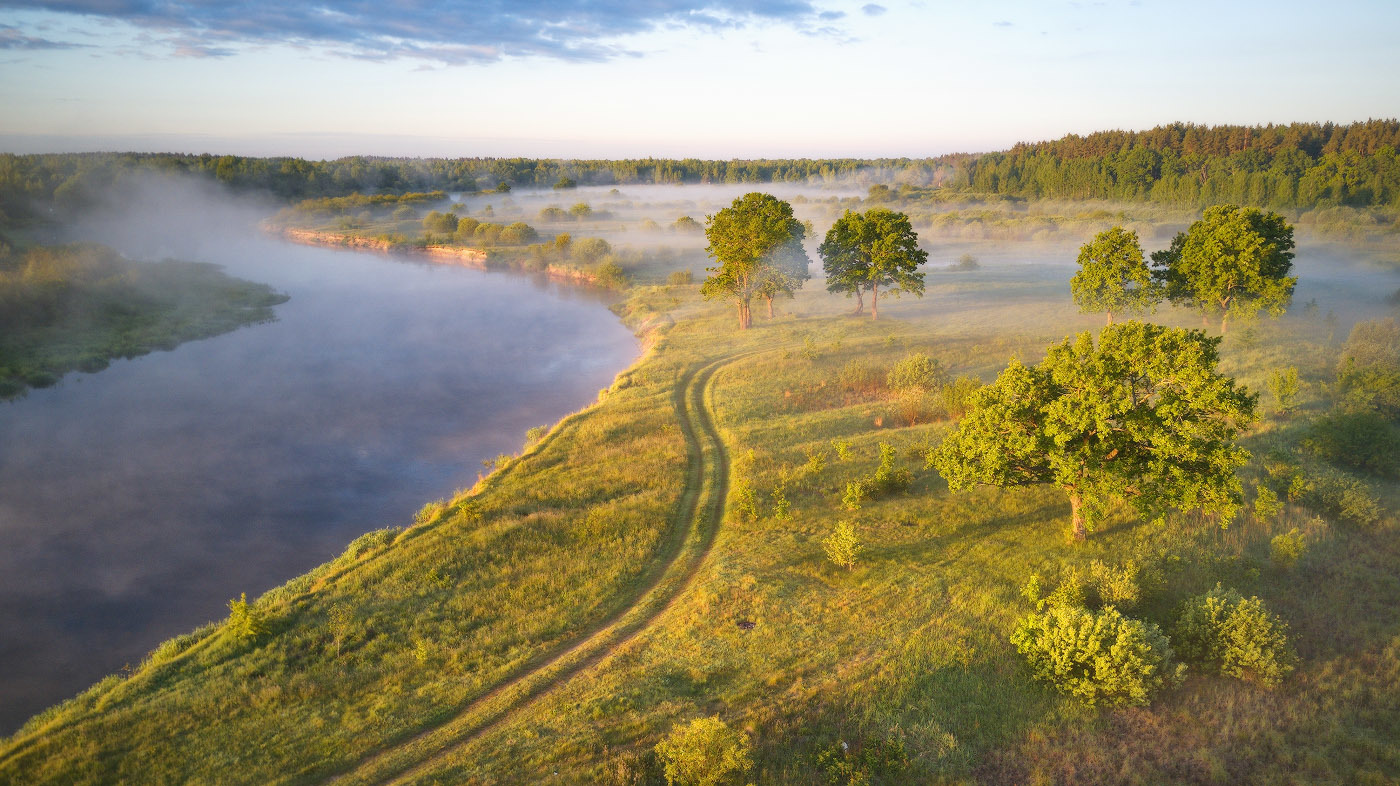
77	307
743	565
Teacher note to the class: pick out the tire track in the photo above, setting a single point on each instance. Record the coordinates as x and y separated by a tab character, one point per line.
702	508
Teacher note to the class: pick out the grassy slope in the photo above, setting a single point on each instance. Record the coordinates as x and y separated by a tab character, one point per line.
910	646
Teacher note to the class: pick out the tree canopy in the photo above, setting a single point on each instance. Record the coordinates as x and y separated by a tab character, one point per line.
1113	276
1234	261
750	239
878	248
1143	417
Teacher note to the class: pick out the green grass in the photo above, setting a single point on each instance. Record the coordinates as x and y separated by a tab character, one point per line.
70	308
551	625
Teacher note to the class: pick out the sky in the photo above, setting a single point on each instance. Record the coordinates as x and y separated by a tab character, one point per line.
671	78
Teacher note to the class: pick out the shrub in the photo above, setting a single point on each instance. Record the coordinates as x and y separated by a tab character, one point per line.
1285	550
1283	384
1099	657
704	752
855	495
610	274
1119	586
518	233
680	277
888	478
1236	636
1368	372
917	371
590	250
1267	505
1360	440
842	546
466	228
965	262
1343	497
244	621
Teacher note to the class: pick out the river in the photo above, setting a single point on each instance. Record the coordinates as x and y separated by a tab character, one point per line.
136	501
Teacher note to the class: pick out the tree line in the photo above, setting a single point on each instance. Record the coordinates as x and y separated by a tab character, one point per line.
1300	165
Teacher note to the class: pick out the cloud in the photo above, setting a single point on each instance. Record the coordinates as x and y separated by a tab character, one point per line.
873	9
1003	23
448	31
12	37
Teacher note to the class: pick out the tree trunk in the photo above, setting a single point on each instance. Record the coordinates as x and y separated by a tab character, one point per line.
1110	318
1224	322
874	301
1076	520
770	308
860	301
741	315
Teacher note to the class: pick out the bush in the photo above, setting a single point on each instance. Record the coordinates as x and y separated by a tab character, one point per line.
680	278
842	546
1285	550
518	233
1360	440
1236	636
888	478
1368	372
244	621
917	371
956	396
704	752
590	250
1267	505
860	378
466	228
1342	497
1099	657
1283	384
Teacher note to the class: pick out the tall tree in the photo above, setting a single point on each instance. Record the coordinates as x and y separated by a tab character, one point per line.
1235	260
1113	276
1143	417
743	239
876	249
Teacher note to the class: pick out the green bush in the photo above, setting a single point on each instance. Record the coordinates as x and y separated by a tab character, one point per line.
1285	550
1099	657
917	371
704	752
1234	635
244	620
1267	505
843	546
956	396
888	478
1360	440
1343	497
1283	384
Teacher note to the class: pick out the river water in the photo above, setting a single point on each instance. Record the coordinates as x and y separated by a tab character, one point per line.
136	501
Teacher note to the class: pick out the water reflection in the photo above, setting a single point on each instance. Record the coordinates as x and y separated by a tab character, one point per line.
134	502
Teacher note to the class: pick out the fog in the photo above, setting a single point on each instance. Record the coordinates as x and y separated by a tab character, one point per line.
136	501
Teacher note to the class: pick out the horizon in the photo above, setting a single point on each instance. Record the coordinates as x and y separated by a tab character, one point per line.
713	80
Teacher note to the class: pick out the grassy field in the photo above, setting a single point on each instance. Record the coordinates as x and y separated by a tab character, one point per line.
657	557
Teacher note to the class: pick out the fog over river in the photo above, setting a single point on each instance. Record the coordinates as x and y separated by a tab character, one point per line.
135	502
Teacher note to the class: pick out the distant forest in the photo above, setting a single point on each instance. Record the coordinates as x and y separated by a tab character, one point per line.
1301	165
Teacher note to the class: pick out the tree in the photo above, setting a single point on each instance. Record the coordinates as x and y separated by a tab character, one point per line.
743	239
842	546
1143	417
1099	657
1235	260
704	752
874	249
1113	276
785	272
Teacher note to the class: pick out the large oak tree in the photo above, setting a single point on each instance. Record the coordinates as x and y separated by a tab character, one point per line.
1143	417
1235	260
753	240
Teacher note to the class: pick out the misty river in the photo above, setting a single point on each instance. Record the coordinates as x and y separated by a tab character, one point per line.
136	501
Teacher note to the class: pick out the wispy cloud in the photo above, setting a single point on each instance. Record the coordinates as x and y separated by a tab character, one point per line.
446	31
12	37
873	9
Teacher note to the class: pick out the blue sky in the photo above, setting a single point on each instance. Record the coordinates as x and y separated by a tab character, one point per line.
721	79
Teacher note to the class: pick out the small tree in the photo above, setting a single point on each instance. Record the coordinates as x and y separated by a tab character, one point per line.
1143	417
743	239
1113	275
1283	384
1236	636
245	622
704	752
1235	260
842	546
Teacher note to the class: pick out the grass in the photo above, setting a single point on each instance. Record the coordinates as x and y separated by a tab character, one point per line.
552	624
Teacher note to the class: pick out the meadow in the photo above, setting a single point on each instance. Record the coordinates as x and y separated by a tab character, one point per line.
658	557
